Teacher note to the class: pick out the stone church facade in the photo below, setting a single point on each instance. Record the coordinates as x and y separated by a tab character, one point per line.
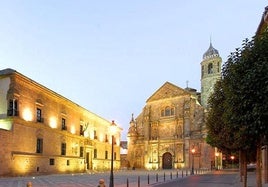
170	131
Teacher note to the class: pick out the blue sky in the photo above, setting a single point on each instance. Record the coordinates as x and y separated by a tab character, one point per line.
111	56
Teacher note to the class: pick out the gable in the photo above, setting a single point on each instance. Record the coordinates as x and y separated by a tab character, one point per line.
168	90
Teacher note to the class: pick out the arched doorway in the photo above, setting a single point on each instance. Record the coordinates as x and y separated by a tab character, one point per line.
167	160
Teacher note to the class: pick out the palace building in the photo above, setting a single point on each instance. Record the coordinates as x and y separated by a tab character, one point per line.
42	132
170	131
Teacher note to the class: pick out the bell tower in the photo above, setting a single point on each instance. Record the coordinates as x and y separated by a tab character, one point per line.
210	73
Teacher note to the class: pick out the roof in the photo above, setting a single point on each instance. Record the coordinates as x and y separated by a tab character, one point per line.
211	52
168	90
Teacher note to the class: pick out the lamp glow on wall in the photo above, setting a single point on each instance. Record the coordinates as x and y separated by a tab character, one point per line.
53	122
217	154
113	129
193	152
27	114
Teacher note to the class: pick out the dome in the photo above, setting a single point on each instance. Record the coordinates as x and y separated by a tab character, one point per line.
211	52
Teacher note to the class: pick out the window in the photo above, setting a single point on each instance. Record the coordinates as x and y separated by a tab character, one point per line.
63	124
68	162
162	112
63	148
106	154
81	151
51	161
114	155
12	108
39	115
202	73
81	130
210	68
39	145
218	67
95	135
95	153
168	111
106	138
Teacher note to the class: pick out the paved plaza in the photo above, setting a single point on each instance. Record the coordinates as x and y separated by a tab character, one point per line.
91	179
135	179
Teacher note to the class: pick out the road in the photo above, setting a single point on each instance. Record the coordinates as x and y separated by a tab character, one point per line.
217	178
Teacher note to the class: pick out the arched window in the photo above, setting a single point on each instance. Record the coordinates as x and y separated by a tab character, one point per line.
162	112
172	112
168	111
210	68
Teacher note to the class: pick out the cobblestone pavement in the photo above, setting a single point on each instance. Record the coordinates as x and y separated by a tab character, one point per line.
91	179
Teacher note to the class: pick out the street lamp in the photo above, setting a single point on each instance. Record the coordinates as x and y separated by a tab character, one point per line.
216	161
112	131
232	157
193	151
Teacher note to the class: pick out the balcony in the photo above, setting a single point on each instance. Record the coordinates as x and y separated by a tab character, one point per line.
40	120
12	112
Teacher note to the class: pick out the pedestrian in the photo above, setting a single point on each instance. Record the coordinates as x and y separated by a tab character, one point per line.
101	183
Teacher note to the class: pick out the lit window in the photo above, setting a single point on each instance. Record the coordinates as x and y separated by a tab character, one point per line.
114	155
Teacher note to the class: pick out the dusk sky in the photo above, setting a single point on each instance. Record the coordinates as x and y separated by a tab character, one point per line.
110	56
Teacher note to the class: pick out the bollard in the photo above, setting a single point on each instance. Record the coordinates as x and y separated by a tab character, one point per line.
148	177
171	175
177	174
127	182
29	184
139	181
156	177
182	173
164	176
186	172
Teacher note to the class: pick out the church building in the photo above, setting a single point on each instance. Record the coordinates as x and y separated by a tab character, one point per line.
170	131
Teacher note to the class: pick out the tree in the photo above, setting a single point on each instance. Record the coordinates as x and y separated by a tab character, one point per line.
242	96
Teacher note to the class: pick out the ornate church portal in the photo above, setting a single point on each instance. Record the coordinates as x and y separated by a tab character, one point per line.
167	161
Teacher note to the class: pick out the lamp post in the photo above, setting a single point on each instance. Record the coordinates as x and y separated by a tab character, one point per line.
232	157
112	131
216	160
193	151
